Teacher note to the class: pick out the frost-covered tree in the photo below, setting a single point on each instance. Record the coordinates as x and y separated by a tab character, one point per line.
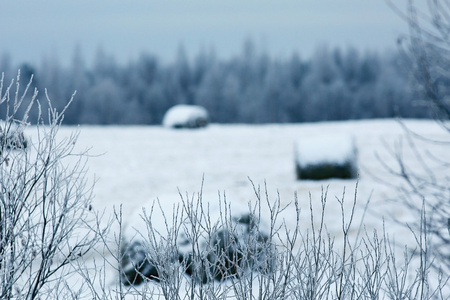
427	48
45	202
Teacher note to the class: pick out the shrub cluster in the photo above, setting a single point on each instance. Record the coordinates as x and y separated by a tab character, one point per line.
215	260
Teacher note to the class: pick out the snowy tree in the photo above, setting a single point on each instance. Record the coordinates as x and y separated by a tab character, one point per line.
45	205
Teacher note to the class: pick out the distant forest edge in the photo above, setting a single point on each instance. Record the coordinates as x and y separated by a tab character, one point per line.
252	87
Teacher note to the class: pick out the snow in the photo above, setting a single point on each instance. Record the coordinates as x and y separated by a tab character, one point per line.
137	165
326	148
184	116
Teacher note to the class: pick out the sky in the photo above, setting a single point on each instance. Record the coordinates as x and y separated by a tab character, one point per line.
31	30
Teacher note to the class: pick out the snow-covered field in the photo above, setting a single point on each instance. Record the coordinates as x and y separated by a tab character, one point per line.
136	165
139	164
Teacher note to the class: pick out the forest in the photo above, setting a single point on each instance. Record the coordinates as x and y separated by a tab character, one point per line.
251	87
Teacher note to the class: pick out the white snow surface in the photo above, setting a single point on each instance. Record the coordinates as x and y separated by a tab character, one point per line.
325	148
183	114
134	166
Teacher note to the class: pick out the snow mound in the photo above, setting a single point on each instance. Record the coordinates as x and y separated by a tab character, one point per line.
186	116
322	157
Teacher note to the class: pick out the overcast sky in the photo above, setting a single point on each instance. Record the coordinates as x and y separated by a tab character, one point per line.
30	29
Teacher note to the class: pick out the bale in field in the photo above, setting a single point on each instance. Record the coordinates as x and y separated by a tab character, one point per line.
227	247
136	265
186	116
326	157
12	137
239	247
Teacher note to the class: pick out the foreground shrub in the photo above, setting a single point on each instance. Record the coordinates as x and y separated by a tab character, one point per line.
45	203
283	262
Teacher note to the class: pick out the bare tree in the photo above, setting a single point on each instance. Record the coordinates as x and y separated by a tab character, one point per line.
426	189
45	201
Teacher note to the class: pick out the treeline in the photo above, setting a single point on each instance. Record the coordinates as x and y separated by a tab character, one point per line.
252	87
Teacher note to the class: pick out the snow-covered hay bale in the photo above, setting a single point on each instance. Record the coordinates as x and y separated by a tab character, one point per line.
136	264
12	137
332	156
227	251
186	116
